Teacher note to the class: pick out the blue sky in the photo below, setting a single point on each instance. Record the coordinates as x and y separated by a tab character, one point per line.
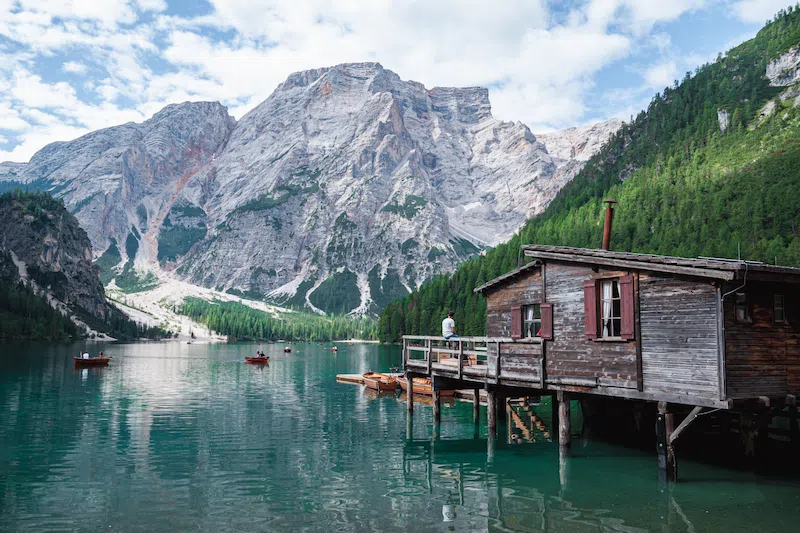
68	67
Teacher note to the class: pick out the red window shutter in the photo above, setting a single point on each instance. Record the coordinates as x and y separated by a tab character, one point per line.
590	308
516	322
626	305
547	322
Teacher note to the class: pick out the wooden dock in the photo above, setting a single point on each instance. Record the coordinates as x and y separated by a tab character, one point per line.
356	379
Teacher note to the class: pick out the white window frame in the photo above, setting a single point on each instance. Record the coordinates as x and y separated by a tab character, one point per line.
740	302
535	322
608	314
779	306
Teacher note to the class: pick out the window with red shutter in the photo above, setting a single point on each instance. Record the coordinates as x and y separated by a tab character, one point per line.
590	308
516	322
627	306
547	322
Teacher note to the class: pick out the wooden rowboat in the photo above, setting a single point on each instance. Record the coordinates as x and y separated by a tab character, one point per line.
94	361
257	360
423	386
380	382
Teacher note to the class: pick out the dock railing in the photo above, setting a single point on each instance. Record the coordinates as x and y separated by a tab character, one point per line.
462	356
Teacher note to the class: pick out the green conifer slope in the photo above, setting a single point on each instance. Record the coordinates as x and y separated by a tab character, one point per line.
684	187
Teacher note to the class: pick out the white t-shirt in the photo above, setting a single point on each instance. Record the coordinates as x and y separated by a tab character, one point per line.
448	325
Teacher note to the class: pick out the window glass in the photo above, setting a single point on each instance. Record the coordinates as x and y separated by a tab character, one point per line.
610	309
742	313
779	312
532	320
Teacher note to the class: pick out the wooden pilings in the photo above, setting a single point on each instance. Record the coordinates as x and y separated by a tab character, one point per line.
437	406
491	411
476	405
554	415
667	466
564	430
410	393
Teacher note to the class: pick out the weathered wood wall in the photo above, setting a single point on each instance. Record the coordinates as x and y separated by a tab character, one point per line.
570	353
680	350
763	358
525	289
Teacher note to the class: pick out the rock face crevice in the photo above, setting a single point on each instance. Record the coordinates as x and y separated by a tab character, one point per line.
347	174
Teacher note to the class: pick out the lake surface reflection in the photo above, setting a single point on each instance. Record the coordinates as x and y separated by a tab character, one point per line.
175	437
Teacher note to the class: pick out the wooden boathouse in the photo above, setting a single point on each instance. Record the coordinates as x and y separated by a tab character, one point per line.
685	334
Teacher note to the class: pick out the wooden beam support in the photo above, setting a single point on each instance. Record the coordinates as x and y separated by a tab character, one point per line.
564	429
554	415
791	401
476	405
410	393
683	425
667	467
491	411
437	407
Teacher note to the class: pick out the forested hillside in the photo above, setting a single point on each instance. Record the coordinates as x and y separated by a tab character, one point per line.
711	165
242	322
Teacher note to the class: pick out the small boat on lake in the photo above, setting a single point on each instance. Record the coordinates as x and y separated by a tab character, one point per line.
423	386
380	382
257	360
92	361
287	350
335	349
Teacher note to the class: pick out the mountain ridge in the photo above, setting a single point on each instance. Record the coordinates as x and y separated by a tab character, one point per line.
345	188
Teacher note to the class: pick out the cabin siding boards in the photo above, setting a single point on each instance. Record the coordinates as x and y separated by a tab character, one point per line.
680	351
525	289
678	341
571	353
762	358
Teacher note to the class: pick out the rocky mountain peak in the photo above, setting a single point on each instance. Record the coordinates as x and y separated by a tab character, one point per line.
346	188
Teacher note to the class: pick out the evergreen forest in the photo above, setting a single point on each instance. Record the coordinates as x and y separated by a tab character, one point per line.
240	322
687	184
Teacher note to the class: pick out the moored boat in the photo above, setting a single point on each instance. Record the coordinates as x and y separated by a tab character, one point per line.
93	361
423	386
380	382
257	360
287	350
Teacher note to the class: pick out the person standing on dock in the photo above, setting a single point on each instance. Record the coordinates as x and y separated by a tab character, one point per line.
449	327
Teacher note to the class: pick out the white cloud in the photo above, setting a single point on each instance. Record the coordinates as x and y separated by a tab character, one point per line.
661	75
152	5
73	67
759	11
539	72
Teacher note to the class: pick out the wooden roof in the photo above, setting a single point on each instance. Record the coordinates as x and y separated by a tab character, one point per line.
702	267
507	276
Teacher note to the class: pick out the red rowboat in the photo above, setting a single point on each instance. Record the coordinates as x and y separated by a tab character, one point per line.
257	360
423	386
380	382
94	361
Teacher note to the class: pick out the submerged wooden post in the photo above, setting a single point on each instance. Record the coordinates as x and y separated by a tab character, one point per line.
437	407
491	411
553	415
564	430
476	405
667	468
410	393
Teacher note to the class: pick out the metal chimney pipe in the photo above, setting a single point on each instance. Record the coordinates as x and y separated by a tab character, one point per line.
609	219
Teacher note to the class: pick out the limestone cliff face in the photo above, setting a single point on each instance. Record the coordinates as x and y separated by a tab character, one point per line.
347	187
50	248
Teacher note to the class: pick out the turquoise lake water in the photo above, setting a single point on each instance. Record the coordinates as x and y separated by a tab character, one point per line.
173	437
